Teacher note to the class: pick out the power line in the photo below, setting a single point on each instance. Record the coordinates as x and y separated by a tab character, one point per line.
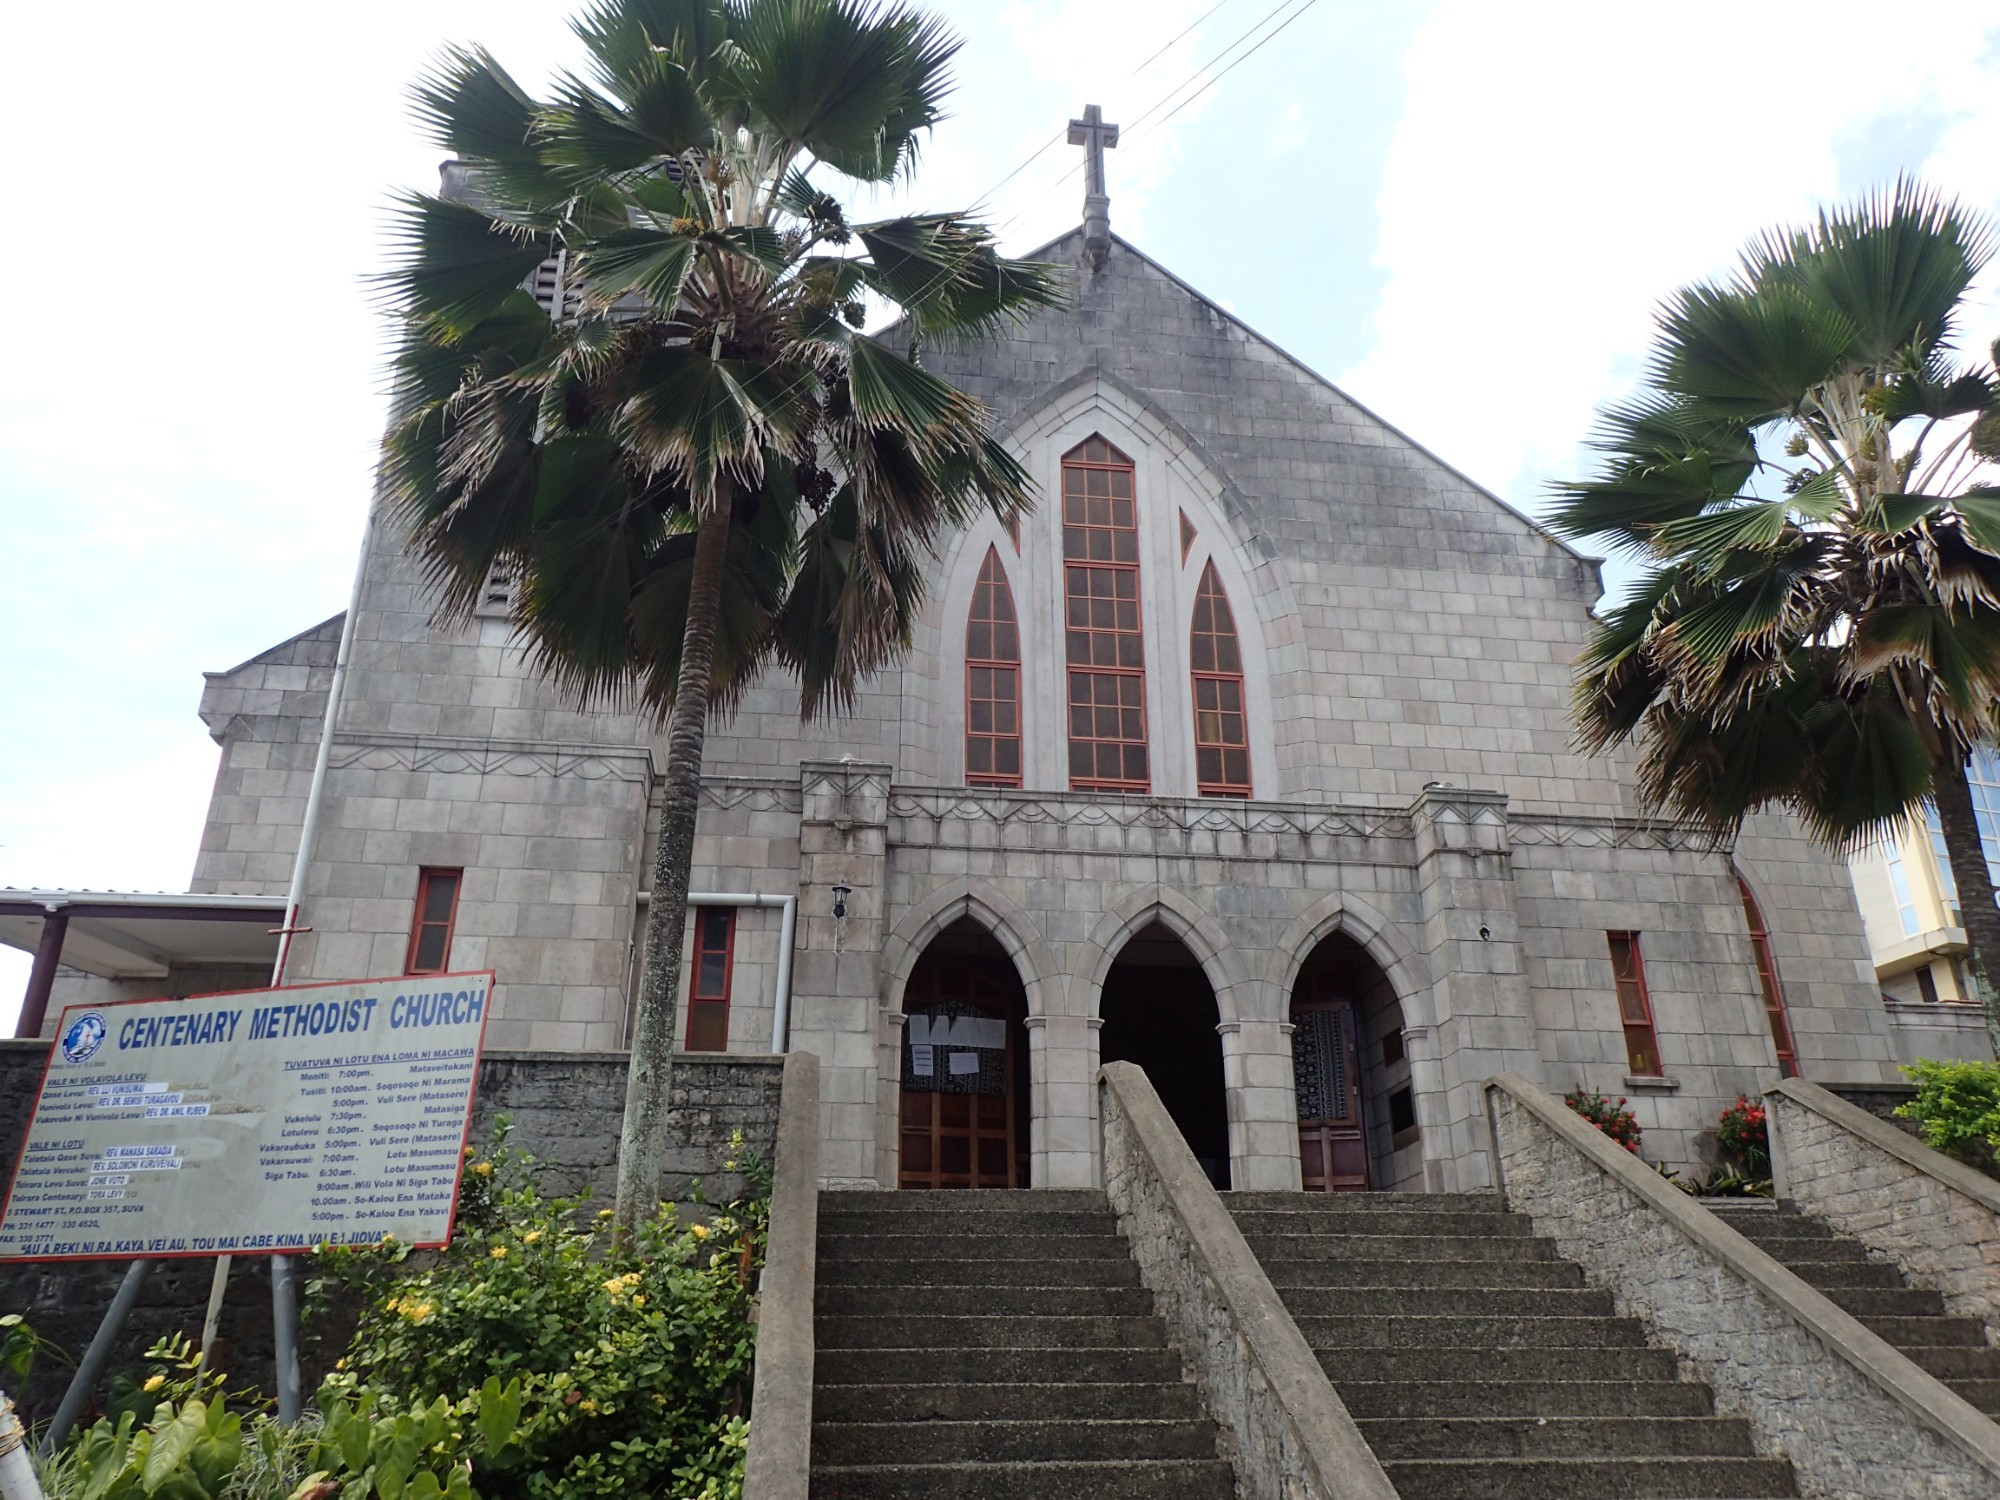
1177	36
1225	72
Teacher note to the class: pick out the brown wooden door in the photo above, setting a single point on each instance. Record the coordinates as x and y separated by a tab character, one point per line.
1333	1147
960	1056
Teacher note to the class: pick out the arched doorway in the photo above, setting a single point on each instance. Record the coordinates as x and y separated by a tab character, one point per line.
1357	1105
1159	1012
964	1105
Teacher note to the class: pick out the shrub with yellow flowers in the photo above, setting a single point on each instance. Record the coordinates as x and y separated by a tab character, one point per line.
633	1362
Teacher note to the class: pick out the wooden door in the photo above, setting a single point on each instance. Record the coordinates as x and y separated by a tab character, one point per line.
959	1126
1333	1146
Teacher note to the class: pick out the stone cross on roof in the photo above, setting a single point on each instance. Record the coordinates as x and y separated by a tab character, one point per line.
1094	136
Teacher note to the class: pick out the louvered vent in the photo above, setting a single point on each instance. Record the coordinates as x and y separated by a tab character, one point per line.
543	283
496	595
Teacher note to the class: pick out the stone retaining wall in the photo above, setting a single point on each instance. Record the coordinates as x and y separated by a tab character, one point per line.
1857	1419
565	1108
1935	1218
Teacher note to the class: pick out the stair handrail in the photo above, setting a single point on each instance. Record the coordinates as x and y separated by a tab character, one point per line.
1295	1439
1945	1233
1624	1243
778	1463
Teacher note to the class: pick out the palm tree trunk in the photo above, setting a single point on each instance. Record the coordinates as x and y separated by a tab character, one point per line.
642	1141
1977	910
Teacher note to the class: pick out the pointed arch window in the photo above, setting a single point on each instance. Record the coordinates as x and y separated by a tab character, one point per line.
1221	725
992	681
1767	982
1103	646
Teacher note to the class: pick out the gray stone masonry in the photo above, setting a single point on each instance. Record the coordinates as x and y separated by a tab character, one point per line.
778	1462
1935	1219
1292	1437
1857	1419
565	1108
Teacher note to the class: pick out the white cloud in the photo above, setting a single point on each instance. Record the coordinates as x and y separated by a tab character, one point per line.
1548	184
1289	132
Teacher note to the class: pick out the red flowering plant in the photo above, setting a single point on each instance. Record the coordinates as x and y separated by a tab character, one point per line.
1745	1138
1612	1116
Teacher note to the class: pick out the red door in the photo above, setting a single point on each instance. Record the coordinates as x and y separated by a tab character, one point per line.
1333	1148
959	1097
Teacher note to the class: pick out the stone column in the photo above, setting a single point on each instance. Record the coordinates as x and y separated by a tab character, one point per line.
836	979
1481	1012
1263	1108
1062	1053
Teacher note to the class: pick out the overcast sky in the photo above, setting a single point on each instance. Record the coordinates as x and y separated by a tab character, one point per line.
1462	212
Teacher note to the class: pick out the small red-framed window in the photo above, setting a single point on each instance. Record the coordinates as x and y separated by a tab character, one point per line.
1221	722
432	921
1635	1006
711	967
992	681
1767	982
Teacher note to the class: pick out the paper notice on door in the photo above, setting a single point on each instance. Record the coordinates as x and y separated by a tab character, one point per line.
964	1062
917	1031
974	1031
920	1059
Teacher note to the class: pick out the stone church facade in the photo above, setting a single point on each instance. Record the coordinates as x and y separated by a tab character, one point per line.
1246	756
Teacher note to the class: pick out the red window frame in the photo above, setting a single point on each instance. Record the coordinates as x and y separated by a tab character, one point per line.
429	879
1768	982
992	680
1104	625
1221	712
708	1004
1635	1005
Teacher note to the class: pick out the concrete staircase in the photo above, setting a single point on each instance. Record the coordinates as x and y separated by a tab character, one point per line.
1479	1366
996	1346
1915	1322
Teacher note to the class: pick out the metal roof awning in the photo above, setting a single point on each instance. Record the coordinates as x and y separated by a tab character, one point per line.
139	934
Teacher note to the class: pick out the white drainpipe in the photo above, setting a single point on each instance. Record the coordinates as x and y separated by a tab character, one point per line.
788	926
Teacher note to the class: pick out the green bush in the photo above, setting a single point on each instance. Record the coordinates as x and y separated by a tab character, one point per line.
632	1362
1957	1106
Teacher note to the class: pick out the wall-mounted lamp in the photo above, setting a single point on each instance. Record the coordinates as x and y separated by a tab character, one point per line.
841	891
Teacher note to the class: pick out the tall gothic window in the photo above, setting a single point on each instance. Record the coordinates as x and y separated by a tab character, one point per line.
1767	981
1104	649
992	681
1221	728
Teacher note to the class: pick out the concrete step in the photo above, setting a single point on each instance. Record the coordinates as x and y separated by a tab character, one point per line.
900	1245
1617	1362
1362	1273
1017	1402
1951	1364
874	1366
984	1442
1428	1225
1345	1331
1938	1332
1442	1203
1624	1478
1447	1302
1618	1436
1984	1394
1826	1275
1005	1331
969	1221
901	1201
1170	1479
935	1272
1886	1302
1280	1249
1445	1398
1036	1301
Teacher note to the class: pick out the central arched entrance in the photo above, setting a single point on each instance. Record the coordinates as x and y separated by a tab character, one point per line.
964	1105
1160	1013
1356	1101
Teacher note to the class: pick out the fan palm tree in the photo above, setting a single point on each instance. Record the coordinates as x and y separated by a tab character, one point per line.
1820	628
686	452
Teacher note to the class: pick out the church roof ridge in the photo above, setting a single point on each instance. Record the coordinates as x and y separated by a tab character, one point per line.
252	660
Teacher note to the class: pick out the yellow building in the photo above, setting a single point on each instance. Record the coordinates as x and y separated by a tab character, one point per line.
1910	904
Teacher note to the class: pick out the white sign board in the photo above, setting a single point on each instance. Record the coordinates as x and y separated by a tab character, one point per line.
254	1123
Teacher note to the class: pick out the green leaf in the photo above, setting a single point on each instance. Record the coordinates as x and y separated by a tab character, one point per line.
1751	352
472	107
173	1439
1893	514
1979	517
651	262
457	265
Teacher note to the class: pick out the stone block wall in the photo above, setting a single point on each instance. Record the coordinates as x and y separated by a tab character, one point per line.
565	1109
1936	1219
1856	1419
